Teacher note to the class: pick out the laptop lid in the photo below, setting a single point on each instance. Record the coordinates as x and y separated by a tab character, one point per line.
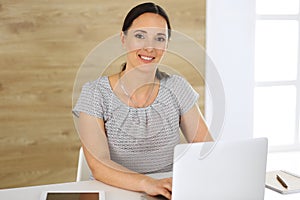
234	170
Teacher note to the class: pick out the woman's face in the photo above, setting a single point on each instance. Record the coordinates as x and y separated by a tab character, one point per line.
146	40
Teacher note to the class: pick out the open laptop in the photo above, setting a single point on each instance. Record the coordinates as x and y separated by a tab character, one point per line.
234	170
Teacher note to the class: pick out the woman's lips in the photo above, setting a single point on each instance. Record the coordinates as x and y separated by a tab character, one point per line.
146	58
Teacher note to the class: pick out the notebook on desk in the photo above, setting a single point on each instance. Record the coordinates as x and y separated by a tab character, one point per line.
234	170
283	182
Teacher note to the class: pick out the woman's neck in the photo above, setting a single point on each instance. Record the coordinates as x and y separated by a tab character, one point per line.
137	80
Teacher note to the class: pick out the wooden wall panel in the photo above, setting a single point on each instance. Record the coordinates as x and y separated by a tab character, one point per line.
42	44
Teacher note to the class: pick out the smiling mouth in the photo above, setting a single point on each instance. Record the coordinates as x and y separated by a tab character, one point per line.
146	58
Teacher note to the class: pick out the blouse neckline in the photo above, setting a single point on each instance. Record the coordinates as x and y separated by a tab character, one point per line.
130	107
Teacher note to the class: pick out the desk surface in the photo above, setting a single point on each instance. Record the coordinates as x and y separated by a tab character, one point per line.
275	161
111	193
34	193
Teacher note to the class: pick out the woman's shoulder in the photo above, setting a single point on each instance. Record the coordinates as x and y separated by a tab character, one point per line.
175	81
99	82
96	86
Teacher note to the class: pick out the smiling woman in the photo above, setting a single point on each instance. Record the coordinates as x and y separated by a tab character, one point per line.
145	41
154	35
43	44
129	122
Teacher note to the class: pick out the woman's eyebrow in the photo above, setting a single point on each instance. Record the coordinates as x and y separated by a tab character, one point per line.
143	31
162	34
140	31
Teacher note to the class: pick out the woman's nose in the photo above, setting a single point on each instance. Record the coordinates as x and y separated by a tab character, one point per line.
149	44
148	49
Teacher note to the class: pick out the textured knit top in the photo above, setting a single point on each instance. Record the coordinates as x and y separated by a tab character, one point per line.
141	139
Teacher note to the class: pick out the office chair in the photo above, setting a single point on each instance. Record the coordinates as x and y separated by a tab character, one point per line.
83	170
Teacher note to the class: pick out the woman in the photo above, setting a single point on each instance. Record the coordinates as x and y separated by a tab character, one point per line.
129	122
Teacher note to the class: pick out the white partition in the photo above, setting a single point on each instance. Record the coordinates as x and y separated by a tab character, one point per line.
230	45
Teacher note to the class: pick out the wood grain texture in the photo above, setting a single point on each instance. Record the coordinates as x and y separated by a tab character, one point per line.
42	45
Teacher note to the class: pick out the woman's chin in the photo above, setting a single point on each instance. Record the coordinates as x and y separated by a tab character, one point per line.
147	67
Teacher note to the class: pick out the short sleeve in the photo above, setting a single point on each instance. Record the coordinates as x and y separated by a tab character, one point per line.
185	94
90	101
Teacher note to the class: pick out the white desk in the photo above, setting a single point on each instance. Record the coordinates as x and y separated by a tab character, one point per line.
111	193
34	193
285	161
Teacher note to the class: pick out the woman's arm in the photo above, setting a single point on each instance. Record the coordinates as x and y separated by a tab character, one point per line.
96	150
194	127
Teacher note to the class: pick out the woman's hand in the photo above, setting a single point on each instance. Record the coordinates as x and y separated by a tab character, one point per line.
155	187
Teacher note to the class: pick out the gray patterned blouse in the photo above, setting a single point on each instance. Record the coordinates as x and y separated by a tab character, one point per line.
141	139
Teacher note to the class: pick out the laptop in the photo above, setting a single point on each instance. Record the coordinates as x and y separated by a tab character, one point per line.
233	170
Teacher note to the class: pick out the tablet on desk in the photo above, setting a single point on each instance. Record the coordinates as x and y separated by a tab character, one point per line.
73	195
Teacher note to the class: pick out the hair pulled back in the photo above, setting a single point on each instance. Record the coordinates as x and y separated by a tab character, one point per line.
138	10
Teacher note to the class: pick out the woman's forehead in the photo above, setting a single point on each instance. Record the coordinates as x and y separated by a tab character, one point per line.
149	20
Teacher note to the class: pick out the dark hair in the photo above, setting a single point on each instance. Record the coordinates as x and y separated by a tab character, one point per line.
145	8
135	13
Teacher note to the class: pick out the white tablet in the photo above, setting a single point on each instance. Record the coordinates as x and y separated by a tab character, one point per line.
73	195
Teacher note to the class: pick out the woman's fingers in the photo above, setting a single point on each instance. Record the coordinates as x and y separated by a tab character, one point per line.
155	187
168	184
166	187
166	193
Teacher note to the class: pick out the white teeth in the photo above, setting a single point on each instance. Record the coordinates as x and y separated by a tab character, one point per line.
146	58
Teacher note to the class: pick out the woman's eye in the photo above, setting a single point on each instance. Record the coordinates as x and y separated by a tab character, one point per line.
161	39
139	36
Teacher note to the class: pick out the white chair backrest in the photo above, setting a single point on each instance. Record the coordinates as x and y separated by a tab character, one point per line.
83	170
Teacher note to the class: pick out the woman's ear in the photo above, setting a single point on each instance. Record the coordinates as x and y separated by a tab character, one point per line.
122	37
167	45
